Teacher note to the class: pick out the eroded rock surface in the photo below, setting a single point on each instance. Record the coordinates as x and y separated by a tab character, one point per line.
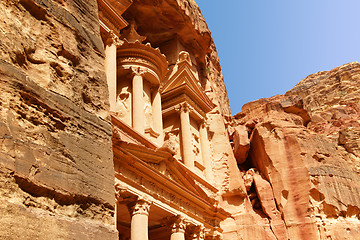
56	166
305	145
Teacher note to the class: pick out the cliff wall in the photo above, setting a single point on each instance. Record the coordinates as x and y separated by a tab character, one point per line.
56	170
304	146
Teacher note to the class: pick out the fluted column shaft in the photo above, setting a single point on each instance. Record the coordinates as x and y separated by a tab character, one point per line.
186	137
205	152
138	103
157	116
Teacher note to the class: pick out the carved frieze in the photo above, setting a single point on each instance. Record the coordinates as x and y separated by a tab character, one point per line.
160	192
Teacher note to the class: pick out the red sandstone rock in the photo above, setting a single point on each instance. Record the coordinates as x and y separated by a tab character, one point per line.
306	145
241	143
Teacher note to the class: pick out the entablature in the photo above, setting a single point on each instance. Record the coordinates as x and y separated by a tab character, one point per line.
110	14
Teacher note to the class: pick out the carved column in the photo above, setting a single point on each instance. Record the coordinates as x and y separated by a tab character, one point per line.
139	211
157	115
177	225
205	152
186	136
110	67
138	101
196	232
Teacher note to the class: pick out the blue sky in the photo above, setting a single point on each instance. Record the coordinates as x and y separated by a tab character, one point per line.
267	46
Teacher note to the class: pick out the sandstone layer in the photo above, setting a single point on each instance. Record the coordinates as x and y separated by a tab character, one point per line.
56	166
304	149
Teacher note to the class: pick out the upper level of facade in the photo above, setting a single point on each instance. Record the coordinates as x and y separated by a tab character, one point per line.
159	107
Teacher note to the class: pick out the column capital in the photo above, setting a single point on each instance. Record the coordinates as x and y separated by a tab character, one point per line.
112	38
175	223
204	123
214	236
140	206
137	71
183	107
196	232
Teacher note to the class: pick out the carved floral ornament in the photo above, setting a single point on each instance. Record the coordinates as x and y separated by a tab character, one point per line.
140	206
175	223
179	224
113	39
184	107
196	232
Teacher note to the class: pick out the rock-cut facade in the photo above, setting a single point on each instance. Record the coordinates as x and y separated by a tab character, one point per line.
115	124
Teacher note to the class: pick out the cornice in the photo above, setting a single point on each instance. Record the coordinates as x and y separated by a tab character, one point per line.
110	14
121	128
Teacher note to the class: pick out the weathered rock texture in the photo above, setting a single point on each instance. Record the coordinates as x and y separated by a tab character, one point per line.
56	170
292	172
304	146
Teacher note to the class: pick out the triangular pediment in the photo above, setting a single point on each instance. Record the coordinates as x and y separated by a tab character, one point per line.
182	75
155	163
176	173
183	81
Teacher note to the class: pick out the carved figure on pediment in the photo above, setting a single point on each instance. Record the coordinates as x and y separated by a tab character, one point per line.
184	56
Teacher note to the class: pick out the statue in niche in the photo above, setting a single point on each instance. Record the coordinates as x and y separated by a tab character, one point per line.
122	107
148	111
195	142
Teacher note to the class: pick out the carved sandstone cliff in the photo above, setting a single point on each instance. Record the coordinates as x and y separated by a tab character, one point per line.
293	171
56	168
56	171
305	147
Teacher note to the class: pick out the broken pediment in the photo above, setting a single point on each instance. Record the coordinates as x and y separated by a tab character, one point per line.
183	84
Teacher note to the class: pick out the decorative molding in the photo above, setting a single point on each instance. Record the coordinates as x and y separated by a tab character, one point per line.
112	38
175	223
140	206
130	34
142	55
152	132
110	16
195	232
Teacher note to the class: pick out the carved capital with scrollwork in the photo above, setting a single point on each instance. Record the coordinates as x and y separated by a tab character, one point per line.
137	71
175	223
140	206
196	232
204	123
113	39
183	107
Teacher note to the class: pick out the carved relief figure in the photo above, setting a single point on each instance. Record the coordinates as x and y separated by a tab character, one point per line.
172	141
195	143
148	107
123	103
